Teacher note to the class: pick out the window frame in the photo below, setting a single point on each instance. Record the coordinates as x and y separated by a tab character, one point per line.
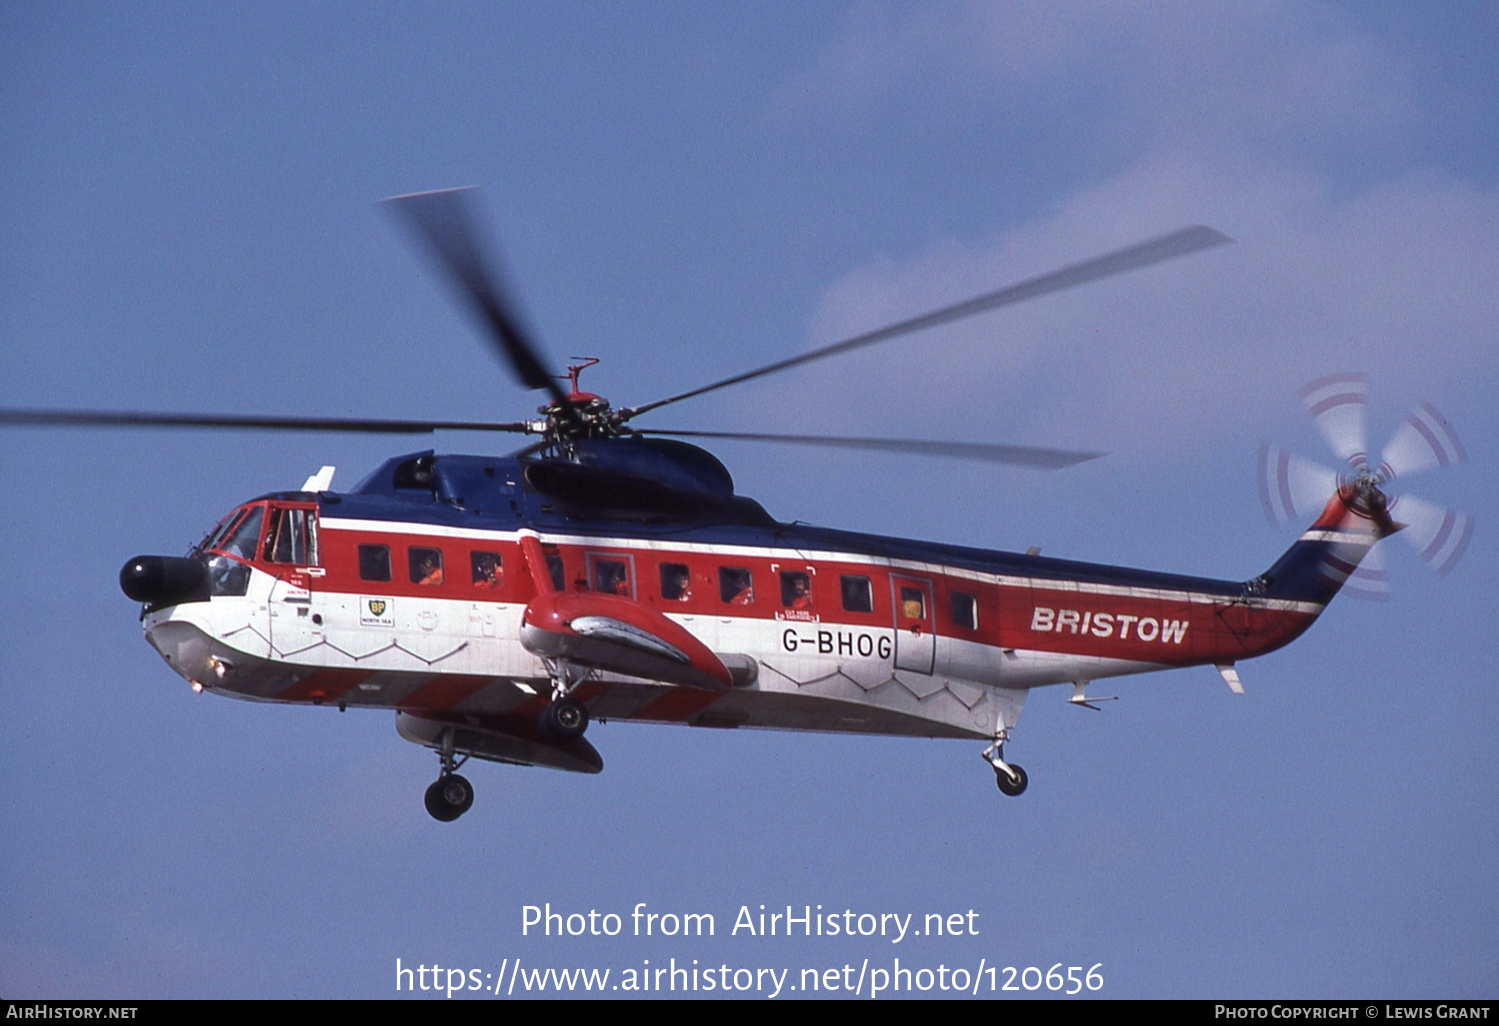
369	550
414	553
971	623
844	580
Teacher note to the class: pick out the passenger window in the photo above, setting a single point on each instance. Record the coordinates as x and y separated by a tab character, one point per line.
555	569
676	582
965	611
374	562
425	565
858	596
913	603
735	586
611	576
796	590
486	568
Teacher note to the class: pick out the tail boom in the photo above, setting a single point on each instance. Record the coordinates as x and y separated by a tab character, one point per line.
1099	628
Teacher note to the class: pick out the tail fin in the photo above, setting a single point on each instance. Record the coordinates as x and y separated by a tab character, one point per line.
1327	553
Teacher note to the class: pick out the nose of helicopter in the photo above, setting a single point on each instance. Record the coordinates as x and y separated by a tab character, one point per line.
162	580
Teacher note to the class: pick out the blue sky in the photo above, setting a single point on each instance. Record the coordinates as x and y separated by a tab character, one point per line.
186	194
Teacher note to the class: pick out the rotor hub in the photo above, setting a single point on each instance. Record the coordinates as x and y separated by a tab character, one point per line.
1362	495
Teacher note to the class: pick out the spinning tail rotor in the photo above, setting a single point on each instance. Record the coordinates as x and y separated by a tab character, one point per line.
1292	487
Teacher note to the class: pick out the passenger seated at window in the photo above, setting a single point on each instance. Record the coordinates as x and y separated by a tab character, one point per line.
486	569
426	566
611	577
796	591
676	582
912	604
735	586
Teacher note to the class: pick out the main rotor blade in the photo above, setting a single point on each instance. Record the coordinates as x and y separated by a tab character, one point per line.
1167	247
443	222
1016	455
119	418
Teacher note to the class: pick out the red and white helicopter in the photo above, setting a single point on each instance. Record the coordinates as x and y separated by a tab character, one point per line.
498	604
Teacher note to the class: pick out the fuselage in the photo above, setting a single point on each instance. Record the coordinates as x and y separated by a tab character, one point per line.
399	596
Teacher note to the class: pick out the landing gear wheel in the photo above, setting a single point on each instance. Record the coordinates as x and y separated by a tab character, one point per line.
449	797
564	719
1008	786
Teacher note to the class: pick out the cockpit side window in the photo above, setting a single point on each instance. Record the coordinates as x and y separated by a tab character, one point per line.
292	537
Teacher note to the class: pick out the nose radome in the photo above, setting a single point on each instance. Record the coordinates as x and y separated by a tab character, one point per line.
162	580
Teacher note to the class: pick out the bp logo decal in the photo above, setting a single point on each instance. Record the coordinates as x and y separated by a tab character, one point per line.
376	612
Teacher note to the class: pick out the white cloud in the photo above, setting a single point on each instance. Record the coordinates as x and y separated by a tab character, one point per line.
1237	116
1399	281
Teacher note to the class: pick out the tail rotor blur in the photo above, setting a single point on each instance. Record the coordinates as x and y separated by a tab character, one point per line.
1336	404
1439	535
1293	488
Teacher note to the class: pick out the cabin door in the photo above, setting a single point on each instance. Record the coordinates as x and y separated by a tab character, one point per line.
915	624
291	550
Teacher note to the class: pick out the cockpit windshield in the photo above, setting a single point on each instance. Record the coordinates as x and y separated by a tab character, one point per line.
212	538
240	541
238	534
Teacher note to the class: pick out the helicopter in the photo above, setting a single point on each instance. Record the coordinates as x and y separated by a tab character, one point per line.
501	604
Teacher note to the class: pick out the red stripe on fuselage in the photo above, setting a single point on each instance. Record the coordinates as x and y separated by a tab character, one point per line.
444	691
325	685
1218	626
677	706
